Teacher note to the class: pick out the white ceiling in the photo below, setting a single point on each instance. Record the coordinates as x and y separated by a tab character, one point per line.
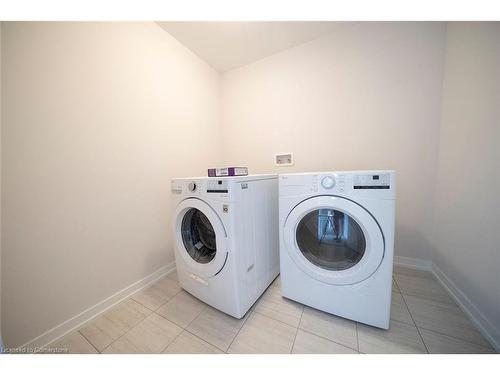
229	45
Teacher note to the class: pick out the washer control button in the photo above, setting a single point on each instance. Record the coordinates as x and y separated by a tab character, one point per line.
192	186
328	182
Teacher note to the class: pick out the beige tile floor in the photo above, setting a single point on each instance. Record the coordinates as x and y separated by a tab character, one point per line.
165	319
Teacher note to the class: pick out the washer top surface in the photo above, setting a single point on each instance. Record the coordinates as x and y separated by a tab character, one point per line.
231	178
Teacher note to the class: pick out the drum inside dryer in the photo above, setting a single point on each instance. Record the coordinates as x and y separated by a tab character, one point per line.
330	239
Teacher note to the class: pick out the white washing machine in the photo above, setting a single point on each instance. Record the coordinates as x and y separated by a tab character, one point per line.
337	242
226	238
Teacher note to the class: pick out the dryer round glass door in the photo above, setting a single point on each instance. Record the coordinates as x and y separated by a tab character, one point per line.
330	239
334	240
200	238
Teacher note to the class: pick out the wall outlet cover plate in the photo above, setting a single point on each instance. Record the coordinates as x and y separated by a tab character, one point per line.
284	159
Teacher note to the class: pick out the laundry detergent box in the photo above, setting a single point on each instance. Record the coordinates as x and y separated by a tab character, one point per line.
228	171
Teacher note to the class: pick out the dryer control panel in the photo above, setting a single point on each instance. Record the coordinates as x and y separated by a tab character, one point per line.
375	184
372	181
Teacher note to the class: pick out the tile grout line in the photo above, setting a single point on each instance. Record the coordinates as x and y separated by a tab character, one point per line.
456	338
185	329
103	315
411	316
297	332
152	285
139	322
175	338
249	312
192	320
325	338
182	328
239	330
453	337
127	331
86	339
277	310
276	320
202	339
431	330
171	298
305	330
100	330
152	312
407	308
357	337
441	333
171	342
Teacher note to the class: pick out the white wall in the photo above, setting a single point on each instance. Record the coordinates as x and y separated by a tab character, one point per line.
467	205
365	97
97	117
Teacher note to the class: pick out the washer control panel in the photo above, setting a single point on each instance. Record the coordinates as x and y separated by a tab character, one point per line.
200	186
217	186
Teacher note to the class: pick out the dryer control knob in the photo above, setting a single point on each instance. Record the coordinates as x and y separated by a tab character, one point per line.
328	182
192	186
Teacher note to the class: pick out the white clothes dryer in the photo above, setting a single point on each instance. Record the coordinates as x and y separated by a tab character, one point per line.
337	242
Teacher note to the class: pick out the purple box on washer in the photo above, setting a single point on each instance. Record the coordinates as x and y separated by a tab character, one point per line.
226	172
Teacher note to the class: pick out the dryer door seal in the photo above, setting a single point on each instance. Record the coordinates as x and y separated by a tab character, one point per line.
334	240
201	240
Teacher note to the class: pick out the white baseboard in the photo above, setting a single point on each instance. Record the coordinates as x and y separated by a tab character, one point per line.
487	328
413	263
80	319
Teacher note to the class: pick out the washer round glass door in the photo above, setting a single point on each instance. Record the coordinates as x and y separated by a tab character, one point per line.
200	237
334	240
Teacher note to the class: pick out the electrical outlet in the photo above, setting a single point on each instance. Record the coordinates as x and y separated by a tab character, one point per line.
284	159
